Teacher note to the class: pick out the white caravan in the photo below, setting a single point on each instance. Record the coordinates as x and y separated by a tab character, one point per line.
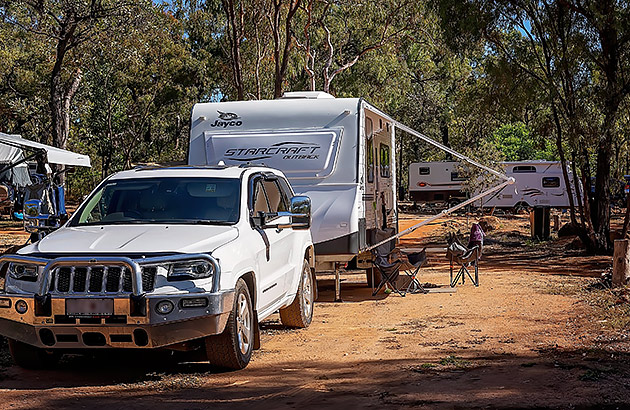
537	183
337	151
436	182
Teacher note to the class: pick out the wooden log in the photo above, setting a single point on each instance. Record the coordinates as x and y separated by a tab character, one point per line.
621	262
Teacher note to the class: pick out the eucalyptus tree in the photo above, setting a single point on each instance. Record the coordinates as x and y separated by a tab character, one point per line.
139	89
333	36
23	74
576	50
66	26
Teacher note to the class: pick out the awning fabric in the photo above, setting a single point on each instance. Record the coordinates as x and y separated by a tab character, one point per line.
9	143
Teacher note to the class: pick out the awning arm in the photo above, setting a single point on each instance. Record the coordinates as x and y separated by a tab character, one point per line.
445	212
449	150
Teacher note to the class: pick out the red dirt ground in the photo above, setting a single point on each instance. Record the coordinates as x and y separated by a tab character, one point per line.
527	337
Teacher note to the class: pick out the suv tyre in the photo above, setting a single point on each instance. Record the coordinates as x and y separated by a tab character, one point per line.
232	349
299	313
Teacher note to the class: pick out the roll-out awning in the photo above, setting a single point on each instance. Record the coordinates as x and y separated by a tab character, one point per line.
53	154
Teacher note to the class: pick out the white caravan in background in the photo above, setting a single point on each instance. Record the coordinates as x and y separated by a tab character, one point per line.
337	151
538	183
436	182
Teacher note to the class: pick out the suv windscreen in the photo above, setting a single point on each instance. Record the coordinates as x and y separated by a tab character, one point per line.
163	200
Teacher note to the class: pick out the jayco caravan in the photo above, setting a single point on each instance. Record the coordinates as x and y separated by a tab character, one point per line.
337	151
538	183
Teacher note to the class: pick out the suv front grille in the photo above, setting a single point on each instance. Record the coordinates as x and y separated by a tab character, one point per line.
99	279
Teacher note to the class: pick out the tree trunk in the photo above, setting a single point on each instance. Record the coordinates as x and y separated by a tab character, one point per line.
282	61
235	37
445	136
621	263
401	189
578	191
563	162
601	223
626	218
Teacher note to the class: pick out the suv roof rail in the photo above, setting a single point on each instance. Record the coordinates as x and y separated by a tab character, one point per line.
154	167
250	165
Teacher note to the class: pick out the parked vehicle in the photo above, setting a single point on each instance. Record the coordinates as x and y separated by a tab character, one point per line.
537	183
28	183
433	182
337	151
187	259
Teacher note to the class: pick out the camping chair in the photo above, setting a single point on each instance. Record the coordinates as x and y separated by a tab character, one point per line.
464	258
417	260
389	271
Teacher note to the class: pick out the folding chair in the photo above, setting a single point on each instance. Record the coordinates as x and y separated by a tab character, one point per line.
466	259
389	271
417	260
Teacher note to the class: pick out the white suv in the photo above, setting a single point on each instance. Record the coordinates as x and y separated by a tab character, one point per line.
186	258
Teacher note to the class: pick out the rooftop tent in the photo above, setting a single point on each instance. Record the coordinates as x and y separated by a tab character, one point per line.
54	155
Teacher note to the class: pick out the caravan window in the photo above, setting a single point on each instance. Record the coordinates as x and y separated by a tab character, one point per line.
369	127
385	169
551	182
370	161
523	169
424	171
455	177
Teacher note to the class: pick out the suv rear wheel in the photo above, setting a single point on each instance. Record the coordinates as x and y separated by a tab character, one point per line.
232	349
300	312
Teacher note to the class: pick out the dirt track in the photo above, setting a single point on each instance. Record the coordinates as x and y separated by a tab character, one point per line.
525	338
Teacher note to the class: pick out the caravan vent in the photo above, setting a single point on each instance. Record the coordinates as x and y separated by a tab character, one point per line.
311	95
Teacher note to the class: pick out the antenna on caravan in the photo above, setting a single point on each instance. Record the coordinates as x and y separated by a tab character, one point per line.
506	181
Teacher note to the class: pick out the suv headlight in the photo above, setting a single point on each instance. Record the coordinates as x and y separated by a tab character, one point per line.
199	269
21	271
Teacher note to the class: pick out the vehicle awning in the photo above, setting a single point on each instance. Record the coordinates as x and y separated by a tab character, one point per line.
54	155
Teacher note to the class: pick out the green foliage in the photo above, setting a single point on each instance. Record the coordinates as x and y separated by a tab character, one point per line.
472	75
517	143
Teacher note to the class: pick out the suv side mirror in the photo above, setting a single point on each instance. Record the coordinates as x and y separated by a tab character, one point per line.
300	212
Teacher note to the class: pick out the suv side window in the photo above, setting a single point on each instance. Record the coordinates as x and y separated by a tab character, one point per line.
286	191
277	202
260	203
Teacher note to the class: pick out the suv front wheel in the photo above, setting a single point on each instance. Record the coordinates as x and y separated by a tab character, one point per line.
232	349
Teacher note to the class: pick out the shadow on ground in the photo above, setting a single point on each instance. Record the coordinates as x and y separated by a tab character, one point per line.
476	380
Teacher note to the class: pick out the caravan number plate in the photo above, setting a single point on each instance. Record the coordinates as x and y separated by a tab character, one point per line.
92	307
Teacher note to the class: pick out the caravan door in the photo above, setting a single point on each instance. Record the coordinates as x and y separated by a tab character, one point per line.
379	192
